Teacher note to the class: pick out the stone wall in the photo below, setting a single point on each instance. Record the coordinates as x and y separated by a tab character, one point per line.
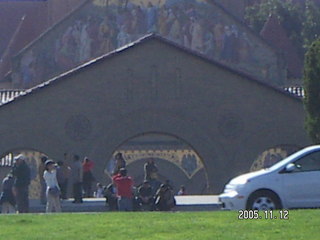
154	86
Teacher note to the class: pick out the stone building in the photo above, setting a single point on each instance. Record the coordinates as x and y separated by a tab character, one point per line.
201	121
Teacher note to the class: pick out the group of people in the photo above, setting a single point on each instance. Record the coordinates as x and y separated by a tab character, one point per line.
15	187
151	195
80	173
54	179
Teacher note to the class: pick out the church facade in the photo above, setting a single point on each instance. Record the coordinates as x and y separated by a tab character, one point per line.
201	121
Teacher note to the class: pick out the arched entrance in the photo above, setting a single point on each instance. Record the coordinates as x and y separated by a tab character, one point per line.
273	155
33	161
176	161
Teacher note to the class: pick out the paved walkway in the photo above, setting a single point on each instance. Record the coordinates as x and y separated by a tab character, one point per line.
184	203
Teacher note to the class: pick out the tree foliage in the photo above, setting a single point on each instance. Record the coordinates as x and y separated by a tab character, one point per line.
312	91
311	24
300	20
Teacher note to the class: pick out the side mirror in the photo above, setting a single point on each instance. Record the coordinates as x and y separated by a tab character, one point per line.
290	167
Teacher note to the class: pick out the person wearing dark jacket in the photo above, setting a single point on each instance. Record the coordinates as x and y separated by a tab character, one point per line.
145	196
111	197
150	170
21	174
88	177
77	178
7	199
120	163
165	200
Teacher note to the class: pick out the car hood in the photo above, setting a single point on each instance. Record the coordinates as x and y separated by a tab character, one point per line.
245	177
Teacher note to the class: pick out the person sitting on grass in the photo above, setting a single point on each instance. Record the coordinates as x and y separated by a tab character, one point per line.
145	197
99	193
165	200
110	193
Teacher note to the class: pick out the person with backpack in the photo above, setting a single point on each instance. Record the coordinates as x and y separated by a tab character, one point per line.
165	200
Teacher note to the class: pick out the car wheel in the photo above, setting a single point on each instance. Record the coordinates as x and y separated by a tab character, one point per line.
263	200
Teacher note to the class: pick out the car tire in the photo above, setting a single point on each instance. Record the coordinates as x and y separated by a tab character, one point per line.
263	200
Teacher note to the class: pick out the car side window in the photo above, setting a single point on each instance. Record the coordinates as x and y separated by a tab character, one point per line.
310	162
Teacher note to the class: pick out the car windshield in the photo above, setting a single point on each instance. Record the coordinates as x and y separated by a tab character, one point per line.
289	159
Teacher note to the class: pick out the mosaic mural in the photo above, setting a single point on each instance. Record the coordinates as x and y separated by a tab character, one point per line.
101	26
186	160
272	156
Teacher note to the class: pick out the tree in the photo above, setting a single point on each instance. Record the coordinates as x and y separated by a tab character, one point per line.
311	24
290	15
312	91
300	20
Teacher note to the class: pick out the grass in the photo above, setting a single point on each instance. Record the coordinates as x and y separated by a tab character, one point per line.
302	224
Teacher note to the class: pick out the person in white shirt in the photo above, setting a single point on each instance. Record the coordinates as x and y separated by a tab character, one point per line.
53	189
100	191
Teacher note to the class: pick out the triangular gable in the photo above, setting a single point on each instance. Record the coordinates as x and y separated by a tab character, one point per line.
137	43
94	30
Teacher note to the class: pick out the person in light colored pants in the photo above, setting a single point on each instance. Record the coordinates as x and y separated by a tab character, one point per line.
7	208
50	177
53	203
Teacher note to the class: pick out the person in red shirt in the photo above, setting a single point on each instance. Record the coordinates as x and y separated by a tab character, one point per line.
88	177
124	185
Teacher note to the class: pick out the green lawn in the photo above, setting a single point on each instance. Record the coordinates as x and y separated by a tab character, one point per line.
302	224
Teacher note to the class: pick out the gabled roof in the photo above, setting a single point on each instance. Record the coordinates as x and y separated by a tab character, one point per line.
209	2
138	43
23	23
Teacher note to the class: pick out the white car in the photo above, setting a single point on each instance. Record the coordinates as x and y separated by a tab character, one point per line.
294	182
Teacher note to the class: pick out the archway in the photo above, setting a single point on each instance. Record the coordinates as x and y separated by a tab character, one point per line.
33	160
176	160
273	155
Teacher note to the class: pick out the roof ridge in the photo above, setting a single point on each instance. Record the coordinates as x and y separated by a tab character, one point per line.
136	43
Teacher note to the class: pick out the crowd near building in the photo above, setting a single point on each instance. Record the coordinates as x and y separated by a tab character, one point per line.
122	194
158	96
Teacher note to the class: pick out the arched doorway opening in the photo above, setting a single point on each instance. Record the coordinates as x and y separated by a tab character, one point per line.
33	161
273	155
175	159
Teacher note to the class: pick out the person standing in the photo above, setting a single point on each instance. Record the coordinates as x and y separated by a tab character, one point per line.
7	199
63	173
182	191
150	170
77	176
41	170
22	178
87	176
120	163
124	185
53	189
